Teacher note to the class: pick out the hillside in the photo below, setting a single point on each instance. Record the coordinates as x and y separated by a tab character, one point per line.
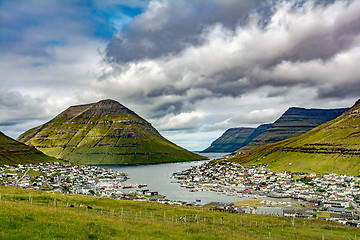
105	132
294	122
330	147
13	152
235	138
26	214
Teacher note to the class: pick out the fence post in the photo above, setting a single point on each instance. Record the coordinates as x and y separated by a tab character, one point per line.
331	235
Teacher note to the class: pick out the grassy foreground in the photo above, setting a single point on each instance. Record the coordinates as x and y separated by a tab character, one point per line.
26	214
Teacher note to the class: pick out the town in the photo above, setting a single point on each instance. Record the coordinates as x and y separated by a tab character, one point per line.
330	196
67	178
336	197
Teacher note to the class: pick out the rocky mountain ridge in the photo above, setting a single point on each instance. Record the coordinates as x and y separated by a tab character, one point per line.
331	147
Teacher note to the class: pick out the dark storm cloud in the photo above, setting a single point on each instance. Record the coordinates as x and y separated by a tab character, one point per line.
329	38
350	89
168	27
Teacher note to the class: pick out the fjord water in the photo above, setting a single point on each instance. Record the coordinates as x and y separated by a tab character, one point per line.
158	178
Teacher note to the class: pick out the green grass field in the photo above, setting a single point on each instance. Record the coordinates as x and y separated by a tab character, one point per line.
26	214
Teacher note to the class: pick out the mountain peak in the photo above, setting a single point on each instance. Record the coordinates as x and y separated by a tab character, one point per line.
104	132
108	102
105	102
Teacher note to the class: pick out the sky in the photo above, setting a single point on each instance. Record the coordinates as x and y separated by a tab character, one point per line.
191	68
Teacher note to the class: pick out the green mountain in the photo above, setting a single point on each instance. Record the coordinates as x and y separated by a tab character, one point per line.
294	122
331	147
13	152
235	138
105	132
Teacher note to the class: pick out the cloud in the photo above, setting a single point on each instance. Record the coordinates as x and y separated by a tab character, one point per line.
19	110
263	115
294	45
186	121
49	57
187	66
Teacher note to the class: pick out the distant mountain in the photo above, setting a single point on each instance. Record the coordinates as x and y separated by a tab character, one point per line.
231	140
235	138
294	122
259	130
105	132
331	147
13	152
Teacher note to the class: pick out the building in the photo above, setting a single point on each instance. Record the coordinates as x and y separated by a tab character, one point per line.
277	211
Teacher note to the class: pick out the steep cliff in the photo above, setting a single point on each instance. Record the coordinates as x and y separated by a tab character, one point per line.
294	122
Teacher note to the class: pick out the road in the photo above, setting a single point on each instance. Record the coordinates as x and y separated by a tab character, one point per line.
21	177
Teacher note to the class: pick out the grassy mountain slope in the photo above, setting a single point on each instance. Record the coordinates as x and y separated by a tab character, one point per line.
13	152
26	214
294	122
105	132
231	140
330	147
